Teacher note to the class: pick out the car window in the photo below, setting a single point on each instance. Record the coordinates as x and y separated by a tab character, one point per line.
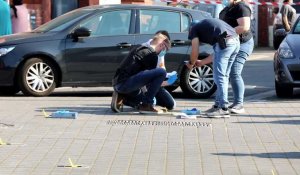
154	20
109	23
64	21
297	27
185	23
210	8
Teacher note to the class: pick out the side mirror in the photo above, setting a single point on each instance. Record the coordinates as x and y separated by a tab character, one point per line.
81	32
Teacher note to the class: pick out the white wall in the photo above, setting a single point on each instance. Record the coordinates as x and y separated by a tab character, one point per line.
105	2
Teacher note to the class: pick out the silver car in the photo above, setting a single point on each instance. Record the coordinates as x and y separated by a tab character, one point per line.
287	63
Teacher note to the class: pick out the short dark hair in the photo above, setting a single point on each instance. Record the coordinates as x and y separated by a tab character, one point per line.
164	32
13	6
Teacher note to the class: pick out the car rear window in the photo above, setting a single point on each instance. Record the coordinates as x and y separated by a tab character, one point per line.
154	20
210	8
62	22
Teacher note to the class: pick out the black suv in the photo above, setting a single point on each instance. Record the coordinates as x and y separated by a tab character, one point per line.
84	47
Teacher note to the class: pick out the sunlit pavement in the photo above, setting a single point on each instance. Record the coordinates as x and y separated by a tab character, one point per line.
264	140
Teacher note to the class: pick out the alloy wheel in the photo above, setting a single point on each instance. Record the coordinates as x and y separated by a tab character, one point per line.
201	79
39	77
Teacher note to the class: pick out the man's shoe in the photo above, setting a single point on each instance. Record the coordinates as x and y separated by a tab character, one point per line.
220	113
116	102
149	109
130	104
236	109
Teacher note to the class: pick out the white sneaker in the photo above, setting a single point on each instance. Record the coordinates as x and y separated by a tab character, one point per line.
236	109
220	113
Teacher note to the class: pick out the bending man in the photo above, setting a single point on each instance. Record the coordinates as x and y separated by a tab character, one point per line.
139	70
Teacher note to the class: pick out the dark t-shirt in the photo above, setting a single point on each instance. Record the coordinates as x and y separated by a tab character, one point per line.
208	30
231	14
140	58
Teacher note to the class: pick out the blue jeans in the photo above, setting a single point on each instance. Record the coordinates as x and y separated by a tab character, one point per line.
223	60
163	98
151	78
236	79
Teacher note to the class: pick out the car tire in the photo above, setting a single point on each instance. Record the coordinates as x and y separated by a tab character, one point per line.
283	91
8	90
38	77
198	82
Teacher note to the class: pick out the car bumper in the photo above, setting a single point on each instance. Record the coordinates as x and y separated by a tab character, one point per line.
7	74
287	71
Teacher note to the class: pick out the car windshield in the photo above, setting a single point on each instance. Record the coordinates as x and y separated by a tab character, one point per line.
297	27
64	21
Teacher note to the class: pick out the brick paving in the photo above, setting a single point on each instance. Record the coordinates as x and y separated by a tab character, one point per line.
263	141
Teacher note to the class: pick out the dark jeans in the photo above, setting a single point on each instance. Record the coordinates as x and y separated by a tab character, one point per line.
163	98
131	88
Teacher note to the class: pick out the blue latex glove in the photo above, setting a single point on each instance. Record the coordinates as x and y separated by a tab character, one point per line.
172	79
170	74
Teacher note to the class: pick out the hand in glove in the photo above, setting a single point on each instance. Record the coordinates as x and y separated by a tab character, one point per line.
171	73
172	79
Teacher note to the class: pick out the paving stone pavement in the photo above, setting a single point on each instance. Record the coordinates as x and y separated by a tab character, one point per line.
263	141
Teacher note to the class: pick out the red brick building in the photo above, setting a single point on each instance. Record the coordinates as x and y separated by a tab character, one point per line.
40	10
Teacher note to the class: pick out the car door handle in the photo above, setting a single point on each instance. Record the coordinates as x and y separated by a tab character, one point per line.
124	45
178	42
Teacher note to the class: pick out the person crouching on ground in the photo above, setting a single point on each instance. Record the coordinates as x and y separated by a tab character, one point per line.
162	98
137	70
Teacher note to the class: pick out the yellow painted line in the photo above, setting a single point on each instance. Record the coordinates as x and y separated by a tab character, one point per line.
273	173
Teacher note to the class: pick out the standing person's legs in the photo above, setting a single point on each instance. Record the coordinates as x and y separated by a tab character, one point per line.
165	99
223	60
236	78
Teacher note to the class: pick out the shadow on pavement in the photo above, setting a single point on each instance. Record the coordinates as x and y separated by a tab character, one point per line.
282	122
99	110
272	155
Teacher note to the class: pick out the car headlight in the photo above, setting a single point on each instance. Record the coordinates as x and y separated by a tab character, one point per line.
285	52
6	50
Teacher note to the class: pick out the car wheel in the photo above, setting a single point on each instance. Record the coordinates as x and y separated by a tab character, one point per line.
198	82
283	90
38	77
9	90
